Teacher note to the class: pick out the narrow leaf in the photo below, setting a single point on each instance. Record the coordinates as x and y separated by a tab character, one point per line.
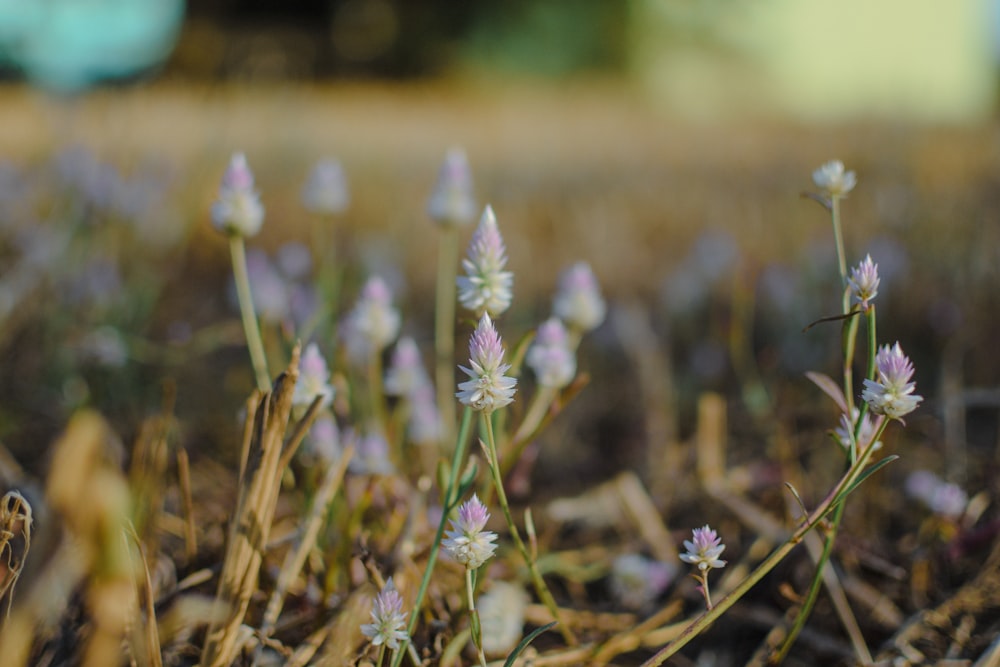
875	467
524	644
830	388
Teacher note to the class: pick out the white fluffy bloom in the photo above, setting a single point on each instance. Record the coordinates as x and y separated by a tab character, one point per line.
832	178
578	300
486	287
550	356
237	211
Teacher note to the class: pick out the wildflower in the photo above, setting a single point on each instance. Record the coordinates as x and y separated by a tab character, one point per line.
323	440
704	549
488	389
636	580
406	373
238	211
891	394
371	455
373	323
268	288
467	542
550	355
943	498
424	425
864	281
314	379
452	203
325	191
845	432
578	301
388	624
486	287
832	178
501	615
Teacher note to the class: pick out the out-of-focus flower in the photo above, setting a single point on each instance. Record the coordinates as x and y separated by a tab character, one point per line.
268	287
294	260
452	201
636	580
371	455
373	323
704	549
314	378
237	211
323	439
578	301
467	542
325	191
845	431
864	281
406	374
488	388
501	615
388	624
424	425
891	394
550	356
486	287
943	498
832	178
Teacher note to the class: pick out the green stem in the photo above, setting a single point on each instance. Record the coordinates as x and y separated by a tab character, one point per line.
444	329
450	498
536	577
477	630
832	500
250	326
838	237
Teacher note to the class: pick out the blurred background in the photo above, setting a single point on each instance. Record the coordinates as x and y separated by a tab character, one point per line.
664	141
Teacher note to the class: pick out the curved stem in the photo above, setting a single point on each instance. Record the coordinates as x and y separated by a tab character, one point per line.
250	326
536	577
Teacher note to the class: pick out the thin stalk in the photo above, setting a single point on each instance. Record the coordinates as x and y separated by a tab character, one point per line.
834	498
250	326
870	374
536	577
444	330
838	237
477	630
450	497
375	394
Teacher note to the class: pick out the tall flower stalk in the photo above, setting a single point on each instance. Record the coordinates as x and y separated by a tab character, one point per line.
238	213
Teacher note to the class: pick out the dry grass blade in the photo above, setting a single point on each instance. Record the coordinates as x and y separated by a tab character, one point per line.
261	471
15	542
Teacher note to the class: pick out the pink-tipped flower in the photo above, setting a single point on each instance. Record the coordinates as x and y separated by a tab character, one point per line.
406	374
488	388
237	211
323	440
325	191
550	356
486	287
833	179
637	581
864	281
314	379
578	301
467	542
424	425
452	201
891	394
372	324
704	549
845	432
388	624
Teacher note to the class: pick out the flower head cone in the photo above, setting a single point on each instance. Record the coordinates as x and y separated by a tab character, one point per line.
578	300
325	191
550	355
467	542
704	549
237	211
834	180
452	203
488	388
486	287
314	379
406	374
891	393
864	281
388	624
373	323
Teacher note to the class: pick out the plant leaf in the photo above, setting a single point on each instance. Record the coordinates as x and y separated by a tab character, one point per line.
524	644
830	388
875	467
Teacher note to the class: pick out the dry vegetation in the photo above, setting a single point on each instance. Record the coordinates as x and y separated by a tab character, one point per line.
116	539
